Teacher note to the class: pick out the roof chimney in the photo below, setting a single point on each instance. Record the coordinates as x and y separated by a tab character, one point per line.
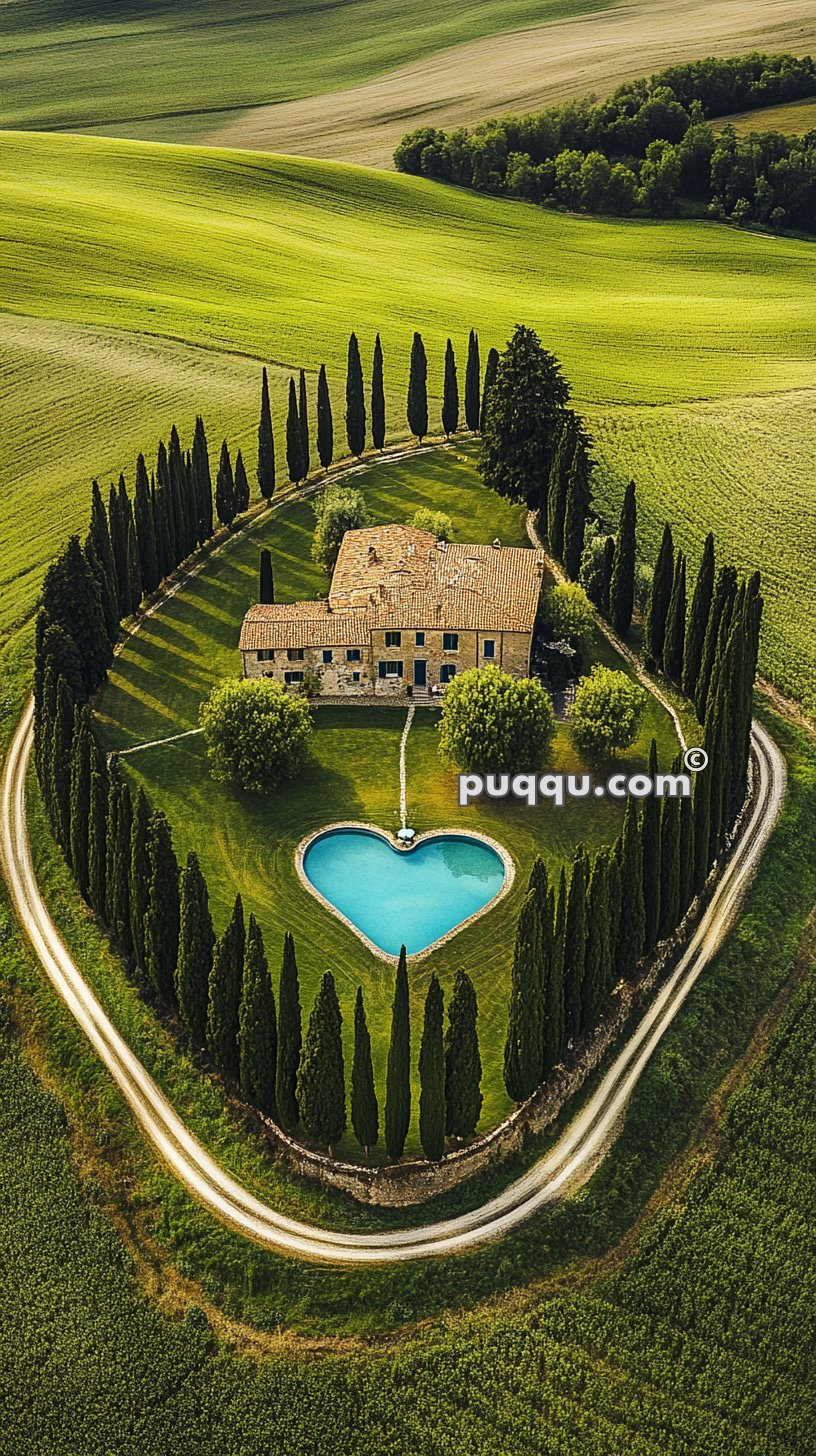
497	544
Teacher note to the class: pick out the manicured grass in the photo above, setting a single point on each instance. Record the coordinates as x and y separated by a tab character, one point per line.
198	265
247	844
792	118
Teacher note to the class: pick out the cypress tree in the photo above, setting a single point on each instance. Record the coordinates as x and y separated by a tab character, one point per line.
377	398
257	1026
118	541
224	994
614	894
195	953
557	487
491	370
355	400
59	804
686	854
523	1047
241	486
607	567
676	622
669	867
55	656
99	553
266	591
654	627
632	922
523	421
132	564
398	1070
161	523
554	1034
650	842
70	598
117	864
182	524
701	805
539	885
162	918
473	381
303	417
698	619
725	591
138	894
266	442
225	502
294	440
80	798
325	423
575	945
574	518
622	585
321	1080
364	1110
418	390
597	970
432	1076
450	393
97	830
203	480
463	1064
290	1036
145	529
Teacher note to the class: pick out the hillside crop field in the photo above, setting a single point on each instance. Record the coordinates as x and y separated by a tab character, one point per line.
793	118
144	284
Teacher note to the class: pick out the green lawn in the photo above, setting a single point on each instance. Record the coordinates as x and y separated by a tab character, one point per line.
143	284
247	844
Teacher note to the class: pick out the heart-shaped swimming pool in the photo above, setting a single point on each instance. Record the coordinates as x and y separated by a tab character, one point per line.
395	897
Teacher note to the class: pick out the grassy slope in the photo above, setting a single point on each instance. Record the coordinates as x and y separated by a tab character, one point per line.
247	844
793	118
248	258
69	64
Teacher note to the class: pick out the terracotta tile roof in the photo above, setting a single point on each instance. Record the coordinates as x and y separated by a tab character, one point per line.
396	577
302	624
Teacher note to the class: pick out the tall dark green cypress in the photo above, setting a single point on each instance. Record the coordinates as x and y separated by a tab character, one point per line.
266	585
418	390
162	918
523	1047
225	503
99	551
622	585
80	797
574	518
725	591
632	922
669	866
686	854
398	1070
117	864
597	970
321	1079
203	480
60	768
266	442
325	422
450	393
257	1026
97	830
118	540
364	1110
132	563
294	440
159	499
139	876
224	996
432	1075
614	885
377	397
145	529
303	417
473	383
491	370
180	506
575	945
554	1032
241	486
701	805
290	1036
607	568
70	599
650	840
557	488
355	400
654	627
698	619
463	1064
195	953
676	622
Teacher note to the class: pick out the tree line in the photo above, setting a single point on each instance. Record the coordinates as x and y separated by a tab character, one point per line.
645	147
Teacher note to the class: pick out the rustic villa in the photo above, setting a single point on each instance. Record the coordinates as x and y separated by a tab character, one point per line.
404	611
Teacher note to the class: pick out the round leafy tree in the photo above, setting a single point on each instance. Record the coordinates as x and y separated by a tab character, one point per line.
569	610
606	713
337	510
438	523
524	413
495	723
257	735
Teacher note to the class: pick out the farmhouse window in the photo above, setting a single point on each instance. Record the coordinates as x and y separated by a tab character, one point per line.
488	648
450	641
420	639
393	639
295	654
327	654
390	669
355	677
353	654
293	677
266	654
447	672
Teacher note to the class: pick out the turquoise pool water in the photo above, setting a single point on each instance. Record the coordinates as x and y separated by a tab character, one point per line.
397	897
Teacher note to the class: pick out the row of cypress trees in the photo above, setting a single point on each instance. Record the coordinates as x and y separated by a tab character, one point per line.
358	421
577	939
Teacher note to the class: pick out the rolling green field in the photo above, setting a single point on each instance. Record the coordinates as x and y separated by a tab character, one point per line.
247	844
143	284
792	118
